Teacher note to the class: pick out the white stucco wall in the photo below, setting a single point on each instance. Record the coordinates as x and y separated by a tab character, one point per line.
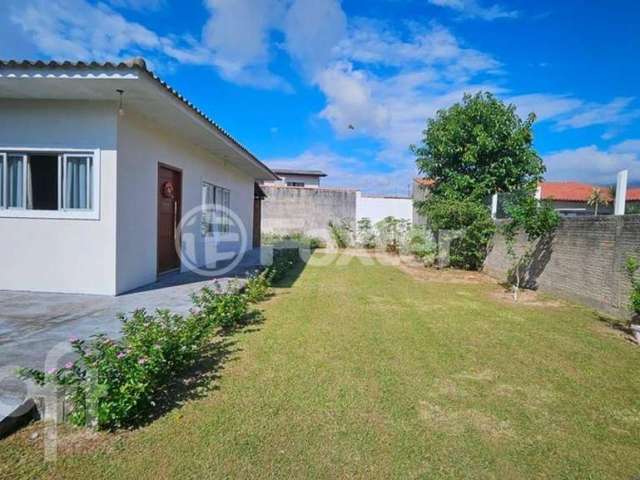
377	208
141	147
52	254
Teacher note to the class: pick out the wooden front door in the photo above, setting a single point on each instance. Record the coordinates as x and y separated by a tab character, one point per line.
169	208
257	221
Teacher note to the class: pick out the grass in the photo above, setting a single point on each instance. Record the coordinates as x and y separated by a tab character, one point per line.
366	372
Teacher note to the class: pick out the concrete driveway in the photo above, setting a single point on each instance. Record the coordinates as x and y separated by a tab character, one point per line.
32	325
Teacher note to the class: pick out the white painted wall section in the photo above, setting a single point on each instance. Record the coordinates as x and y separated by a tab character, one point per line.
142	147
61	254
377	208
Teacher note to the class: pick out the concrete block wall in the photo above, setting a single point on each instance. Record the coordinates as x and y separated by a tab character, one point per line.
584	261
308	210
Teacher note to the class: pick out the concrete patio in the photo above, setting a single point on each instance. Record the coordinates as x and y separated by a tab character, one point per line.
32	324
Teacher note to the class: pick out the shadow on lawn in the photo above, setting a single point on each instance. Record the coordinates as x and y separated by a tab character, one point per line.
291	276
621	326
202	378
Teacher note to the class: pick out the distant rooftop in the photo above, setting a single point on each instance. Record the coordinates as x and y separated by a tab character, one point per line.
308	173
564	191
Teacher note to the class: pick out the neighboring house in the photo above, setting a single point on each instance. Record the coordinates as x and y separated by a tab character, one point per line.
568	198
297	178
294	209
99	162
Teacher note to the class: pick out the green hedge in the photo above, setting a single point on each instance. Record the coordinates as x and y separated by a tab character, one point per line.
113	383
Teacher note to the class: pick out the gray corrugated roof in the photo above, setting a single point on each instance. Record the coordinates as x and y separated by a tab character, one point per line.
311	173
134	63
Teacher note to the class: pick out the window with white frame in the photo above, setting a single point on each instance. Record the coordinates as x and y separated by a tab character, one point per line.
42	181
215	209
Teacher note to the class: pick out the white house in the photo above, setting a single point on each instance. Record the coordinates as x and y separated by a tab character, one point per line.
297	178
99	164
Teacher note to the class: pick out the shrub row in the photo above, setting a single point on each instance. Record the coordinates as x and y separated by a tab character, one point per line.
113	383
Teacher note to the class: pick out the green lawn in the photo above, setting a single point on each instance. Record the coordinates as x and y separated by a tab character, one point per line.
365	372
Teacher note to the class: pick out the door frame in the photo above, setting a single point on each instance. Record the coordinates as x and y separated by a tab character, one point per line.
179	215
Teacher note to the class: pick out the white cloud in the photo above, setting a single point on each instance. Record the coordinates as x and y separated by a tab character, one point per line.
234	40
66	29
569	112
237	34
545	106
628	146
591	164
142	5
428	71
614	112
312	28
473	9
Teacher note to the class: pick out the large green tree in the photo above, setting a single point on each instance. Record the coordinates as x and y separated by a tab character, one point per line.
479	147
470	151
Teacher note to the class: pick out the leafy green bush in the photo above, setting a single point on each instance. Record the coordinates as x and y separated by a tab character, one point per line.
113	383
283	260
258	286
473	221
224	310
340	232
420	243
634	297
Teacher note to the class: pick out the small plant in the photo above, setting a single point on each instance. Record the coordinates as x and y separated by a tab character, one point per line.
633	265
340	232
366	234
392	232
420	243
225	310
537	219
597	198
258	286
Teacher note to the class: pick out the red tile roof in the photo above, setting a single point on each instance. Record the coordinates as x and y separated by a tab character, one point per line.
579	192
633	194
570	191
565	191
425	182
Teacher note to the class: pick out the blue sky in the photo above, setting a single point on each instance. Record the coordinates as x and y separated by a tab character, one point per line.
288	77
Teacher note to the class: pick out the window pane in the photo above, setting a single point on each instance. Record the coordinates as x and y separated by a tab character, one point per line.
78	180
1	181
226	210
208	200
15	181
42	182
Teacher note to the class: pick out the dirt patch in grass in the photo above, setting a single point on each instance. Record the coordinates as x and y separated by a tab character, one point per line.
412	267
527	298
457	421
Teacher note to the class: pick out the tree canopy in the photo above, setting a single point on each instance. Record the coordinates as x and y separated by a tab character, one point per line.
479	147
